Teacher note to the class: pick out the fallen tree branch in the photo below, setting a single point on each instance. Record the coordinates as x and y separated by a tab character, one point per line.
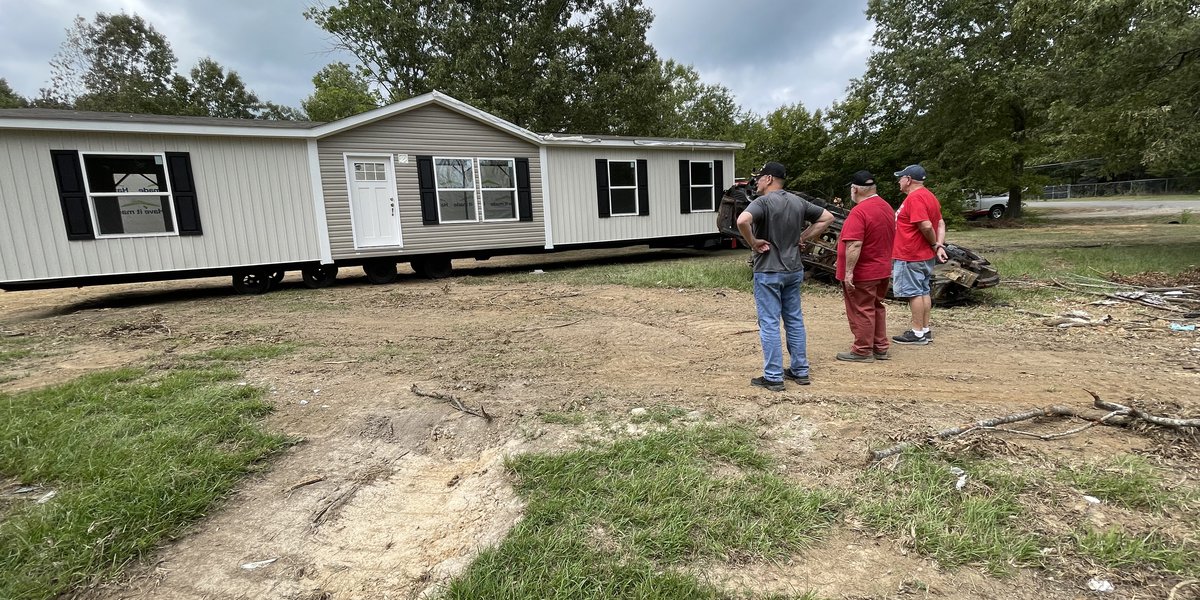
1118	415
297	486
1181	585
1138	413
453	401
547	327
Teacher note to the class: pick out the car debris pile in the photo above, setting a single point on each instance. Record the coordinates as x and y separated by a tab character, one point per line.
953	280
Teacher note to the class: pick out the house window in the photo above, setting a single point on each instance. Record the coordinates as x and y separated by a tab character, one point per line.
129	194
369	171
498	188
702	188
455	178
622	188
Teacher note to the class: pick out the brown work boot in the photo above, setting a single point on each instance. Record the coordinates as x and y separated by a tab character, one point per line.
852	357
883	355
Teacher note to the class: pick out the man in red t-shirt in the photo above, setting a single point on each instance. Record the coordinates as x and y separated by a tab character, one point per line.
920	239
864	264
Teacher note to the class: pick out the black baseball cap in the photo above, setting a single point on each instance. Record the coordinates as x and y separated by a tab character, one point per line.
773	169
863	178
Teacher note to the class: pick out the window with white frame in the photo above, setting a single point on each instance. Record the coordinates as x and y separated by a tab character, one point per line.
702	186
129	194
622	187
498	189
455	178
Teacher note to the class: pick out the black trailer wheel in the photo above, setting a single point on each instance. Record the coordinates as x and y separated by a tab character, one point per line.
277	277
252	282
438	267
996	212
380	271
319	276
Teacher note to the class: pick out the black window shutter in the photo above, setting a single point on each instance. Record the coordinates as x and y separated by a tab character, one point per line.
685	186
602	205
72	195
524	192
643	188
426	184
183	186
718	183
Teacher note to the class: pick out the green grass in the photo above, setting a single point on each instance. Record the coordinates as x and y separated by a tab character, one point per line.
1045	263
13	349
1127	481
620	521
1116	549
973	526
717	270
134	457
563	417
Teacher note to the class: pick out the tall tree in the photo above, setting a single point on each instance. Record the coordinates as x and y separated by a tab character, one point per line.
213	92
340	92
793	136
548	65
117	62
971	80
1133	97
698	110
9	98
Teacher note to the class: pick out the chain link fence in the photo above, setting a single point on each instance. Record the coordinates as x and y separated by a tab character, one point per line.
1137	187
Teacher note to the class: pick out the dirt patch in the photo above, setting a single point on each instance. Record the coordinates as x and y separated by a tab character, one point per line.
422	485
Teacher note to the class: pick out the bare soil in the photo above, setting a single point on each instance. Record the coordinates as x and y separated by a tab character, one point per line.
401	491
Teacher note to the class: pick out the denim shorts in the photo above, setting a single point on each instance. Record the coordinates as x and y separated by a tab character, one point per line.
911	278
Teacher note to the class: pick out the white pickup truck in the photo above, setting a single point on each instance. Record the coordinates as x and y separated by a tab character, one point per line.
977	205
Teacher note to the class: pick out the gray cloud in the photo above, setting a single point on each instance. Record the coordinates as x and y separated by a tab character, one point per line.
767	52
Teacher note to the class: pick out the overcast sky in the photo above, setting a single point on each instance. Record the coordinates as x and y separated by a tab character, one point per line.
768	52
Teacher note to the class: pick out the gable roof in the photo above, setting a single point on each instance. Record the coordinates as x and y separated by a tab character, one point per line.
74	120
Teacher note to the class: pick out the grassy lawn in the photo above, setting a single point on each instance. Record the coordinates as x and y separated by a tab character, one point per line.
121	460
625	520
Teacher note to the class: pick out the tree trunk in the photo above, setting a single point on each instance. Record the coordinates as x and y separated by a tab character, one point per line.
1018	164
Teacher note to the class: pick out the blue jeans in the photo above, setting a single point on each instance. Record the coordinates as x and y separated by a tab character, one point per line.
778	295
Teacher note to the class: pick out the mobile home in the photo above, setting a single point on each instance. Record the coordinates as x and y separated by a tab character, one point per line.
94	198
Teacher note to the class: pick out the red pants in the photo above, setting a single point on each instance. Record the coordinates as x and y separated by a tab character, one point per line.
867	315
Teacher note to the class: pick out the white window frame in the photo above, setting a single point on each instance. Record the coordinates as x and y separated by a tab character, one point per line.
438	189
712	186
637	200
512	164
169	193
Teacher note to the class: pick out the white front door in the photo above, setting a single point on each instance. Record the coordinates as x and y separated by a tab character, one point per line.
374	211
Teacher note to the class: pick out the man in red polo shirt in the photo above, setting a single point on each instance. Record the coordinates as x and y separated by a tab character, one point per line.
920	239
864	265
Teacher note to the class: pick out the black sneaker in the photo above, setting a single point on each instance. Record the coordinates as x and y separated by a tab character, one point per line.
774	386
910	338
929	336
800	379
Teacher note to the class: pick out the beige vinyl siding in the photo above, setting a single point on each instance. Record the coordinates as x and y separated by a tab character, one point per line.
574	216
426	131
255	200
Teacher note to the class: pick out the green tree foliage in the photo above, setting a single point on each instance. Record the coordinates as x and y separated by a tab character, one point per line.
697	110
9	98
793	136
340	93
548	65
213	92
1132	97
117	62
120	63
970	82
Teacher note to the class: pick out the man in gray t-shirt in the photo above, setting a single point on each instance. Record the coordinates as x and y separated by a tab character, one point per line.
774	226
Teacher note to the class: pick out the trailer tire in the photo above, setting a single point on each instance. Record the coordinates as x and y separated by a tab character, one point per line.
277	277
319	276
438	267
381	271
252	282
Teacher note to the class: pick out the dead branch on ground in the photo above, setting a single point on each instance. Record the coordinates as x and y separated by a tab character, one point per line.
547	327
454	402
1118	415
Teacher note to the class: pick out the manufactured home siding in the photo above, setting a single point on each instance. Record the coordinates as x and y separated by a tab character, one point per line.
573	195
255	200
426	131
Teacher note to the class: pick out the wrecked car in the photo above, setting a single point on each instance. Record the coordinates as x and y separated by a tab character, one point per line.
953	280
